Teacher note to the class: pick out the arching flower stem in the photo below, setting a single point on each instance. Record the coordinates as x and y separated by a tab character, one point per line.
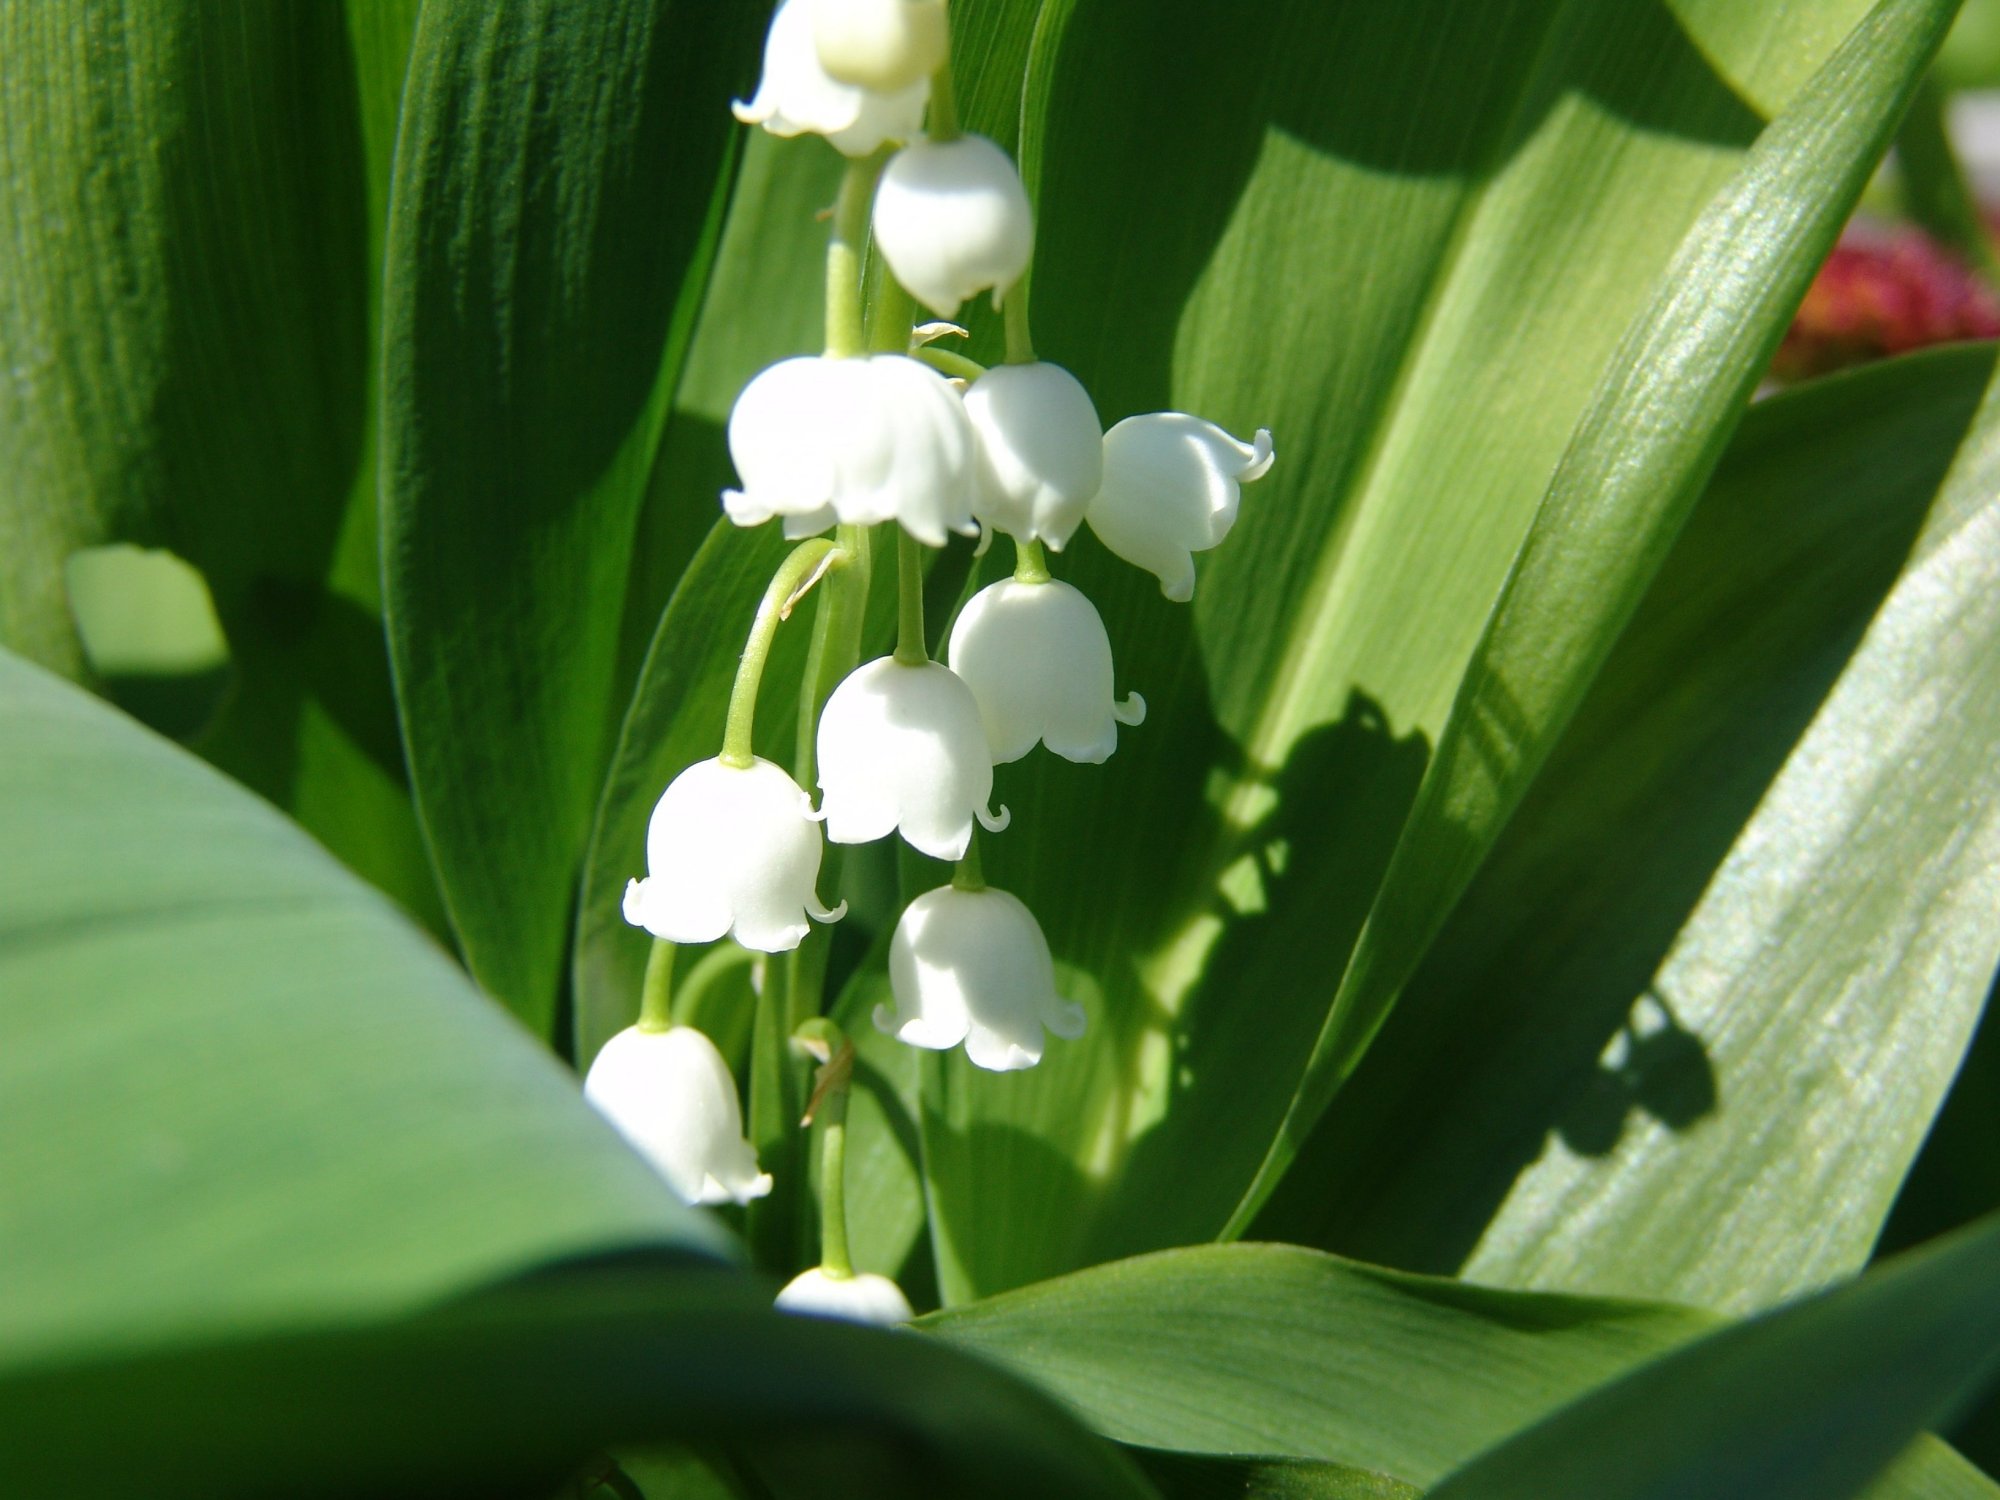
807	564
656	995
966	875
844	334
828	1110
1031	564
1014	311
948	363
910	648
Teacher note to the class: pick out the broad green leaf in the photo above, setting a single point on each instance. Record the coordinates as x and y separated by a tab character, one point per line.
186	325
1274	1349
1181	1476
241	1090
1647	443
1283	1351
548	232
1807	1403
1406	240
1700	1006
511	1391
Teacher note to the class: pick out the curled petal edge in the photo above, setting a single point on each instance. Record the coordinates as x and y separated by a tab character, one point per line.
1131	713
994	822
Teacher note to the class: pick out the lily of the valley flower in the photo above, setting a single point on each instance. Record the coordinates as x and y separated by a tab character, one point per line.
862	1297
1171	487
671	1095
902	746
1039	663
880	438
883	45
1041	450
731	850
972	966
796	96
952	219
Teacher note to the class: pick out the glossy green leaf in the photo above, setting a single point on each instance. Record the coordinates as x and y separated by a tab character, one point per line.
549	224
1283	1351
1657	1085
1408	242
1639	458
1807	1403
244	1091
1273	1349
186	326
509	1392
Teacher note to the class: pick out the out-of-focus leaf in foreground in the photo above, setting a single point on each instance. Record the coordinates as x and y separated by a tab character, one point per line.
509	1391
238	1089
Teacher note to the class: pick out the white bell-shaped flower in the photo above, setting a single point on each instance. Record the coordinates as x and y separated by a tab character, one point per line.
883	45
862	1297
796	96
731	851
880	438
952	219
671	1095
973	967
1039	663
903	747
1171	487
1041	450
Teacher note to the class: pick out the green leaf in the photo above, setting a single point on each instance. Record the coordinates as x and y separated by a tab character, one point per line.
509	1392
1287	1352
1407	241
256	1095
550	216
1184	1477
1778	988
1273	1349
1807	1403
1653	432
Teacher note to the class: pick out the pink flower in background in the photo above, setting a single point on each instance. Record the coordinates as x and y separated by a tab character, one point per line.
1884	290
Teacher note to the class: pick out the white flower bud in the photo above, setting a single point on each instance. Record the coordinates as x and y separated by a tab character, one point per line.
671	1095
863	1297
884	45
1171	488
903	747
731	850
973	967
1041	450
1039	663
952	219
797	97
880	438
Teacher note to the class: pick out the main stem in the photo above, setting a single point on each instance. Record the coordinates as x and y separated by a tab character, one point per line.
910	648
844	337
1014	312
967	874
794	575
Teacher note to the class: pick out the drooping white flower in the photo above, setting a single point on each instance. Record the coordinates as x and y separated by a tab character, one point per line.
862	1297
952	219
879	438
883	45
731	850
973	967
1171	487
1041	450
796	97
671	1095
902	746
1039	663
